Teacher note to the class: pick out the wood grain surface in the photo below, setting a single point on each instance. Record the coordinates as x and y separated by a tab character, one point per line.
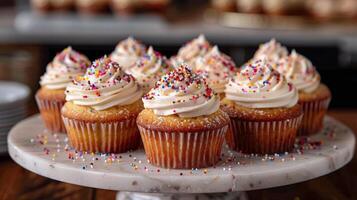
18	183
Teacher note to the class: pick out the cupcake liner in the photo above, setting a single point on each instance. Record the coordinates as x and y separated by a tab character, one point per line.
314	113
263	137
183	150
108	137
51	114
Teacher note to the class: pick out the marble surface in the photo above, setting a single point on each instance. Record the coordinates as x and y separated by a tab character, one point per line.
32	147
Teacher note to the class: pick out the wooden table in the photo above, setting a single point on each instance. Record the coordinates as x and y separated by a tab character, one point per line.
18	183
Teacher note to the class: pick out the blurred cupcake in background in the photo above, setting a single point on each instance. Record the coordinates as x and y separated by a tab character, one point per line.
183	112
314	97
264	110
218	68
101	109
322	9
92	6
128	52
125	6
283	7
149	69
224	5
249	6
62	5
41	5
59	73
271	51
192	50
156	5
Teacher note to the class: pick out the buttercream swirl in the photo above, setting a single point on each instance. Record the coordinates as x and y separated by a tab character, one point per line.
127	52
65	66
258	85
104	85
299	71
149	69
272	51
217	67
183	93
192	50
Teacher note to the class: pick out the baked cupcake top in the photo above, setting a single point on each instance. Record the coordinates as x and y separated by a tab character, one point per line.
273	51
104	85
127	52
149	69
194	49
299	70
183	93
258	85
65	66
217	67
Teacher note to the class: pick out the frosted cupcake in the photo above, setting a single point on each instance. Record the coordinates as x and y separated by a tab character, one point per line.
314	97
59	73
149	69
128	52
182	125
263	109
189	53
217	67
101	109
272	51
92	6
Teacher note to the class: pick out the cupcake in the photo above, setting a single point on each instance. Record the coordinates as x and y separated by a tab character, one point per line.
322	9
101	109
249	6
224	5
182	125
314	97
272	51
281	7
62	5
217	67
189	53
149	69
156	5
127	52
59	73
263	109
92	6
41	5
125	6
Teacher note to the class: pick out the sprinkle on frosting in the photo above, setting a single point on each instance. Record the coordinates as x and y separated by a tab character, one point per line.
299	70
127	52
273	51
258	85
104	85
183	93
192	50
217	68
149	69
65	66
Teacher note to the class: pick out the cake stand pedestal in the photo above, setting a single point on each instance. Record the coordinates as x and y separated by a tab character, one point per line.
49	155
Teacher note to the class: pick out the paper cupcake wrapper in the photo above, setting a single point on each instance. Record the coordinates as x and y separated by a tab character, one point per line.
183	150
263	137
51	114
110	137
314	113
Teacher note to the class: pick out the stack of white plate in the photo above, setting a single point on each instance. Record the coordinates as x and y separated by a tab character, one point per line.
13	101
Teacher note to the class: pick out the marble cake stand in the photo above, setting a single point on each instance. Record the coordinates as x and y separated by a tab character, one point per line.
49	155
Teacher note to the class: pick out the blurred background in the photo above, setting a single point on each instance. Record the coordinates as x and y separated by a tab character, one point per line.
33	31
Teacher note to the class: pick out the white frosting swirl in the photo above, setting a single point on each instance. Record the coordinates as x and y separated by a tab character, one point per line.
127	52
65	66
183	93
194	49
272	51
299	70
258	85
149	69
104	85
217	68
